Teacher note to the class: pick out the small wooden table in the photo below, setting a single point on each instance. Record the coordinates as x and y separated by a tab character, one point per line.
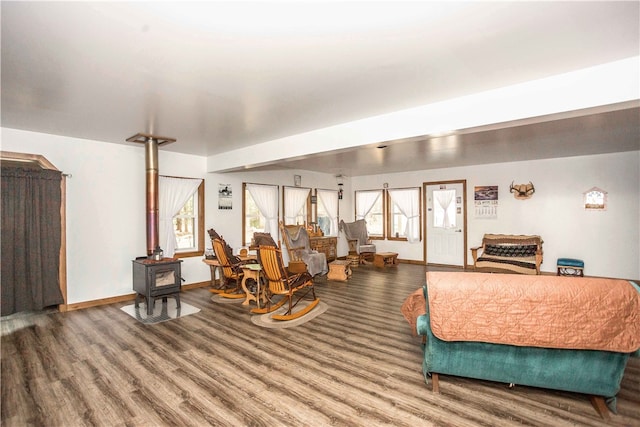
217	285
385	259
252	271
339	270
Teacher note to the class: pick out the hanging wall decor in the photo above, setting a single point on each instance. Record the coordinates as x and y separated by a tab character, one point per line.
224	196
486	201
522	191
595	199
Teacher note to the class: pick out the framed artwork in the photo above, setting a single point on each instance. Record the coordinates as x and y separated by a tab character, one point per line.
486	201
297	180
225	201
595	199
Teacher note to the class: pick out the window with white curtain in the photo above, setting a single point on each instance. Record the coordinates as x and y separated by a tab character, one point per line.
444	208
181	216
370	206
260	207
296	202
327	211
404	214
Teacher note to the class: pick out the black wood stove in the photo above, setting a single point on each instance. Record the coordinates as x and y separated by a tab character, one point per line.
156	279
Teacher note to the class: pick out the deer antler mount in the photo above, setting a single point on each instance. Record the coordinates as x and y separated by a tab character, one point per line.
522	191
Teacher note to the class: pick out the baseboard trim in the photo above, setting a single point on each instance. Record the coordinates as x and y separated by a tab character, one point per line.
120	298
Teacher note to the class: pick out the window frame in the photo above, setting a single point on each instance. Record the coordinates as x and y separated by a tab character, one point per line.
384	212
275	233
307	205
317	203
390	206
198	229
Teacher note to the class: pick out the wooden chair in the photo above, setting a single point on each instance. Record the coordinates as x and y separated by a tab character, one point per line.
358	239
292	287
231	271
296	240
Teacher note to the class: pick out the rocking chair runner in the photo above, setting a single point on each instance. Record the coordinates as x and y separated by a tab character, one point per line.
292	288
231	271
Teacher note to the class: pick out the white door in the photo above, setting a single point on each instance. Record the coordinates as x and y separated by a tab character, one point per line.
445	207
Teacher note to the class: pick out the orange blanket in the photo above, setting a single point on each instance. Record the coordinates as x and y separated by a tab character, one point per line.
539	311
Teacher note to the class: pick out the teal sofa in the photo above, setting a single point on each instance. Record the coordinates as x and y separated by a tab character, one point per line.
592	372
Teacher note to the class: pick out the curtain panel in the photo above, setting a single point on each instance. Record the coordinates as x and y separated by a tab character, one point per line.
266	199
329	199
31	237
173	193
408	201
294	200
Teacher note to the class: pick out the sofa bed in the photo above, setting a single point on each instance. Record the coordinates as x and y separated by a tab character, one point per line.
562	333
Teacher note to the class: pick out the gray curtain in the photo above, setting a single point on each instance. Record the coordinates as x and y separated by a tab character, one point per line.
30	229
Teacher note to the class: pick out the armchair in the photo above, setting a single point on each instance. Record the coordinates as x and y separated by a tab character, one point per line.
358	239
296	240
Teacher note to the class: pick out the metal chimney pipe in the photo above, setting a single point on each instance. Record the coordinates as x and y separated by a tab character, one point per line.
153	219
151	144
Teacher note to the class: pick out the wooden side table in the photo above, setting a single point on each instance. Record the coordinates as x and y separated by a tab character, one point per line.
252	271
385	259
217	285
339	270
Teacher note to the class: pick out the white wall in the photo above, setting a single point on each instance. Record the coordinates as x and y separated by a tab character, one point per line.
608	242
106	207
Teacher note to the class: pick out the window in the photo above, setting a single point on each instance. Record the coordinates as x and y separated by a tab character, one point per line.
404	214
183	235
397	222
370	206
260	211
185	225
444	208
327	211
296	204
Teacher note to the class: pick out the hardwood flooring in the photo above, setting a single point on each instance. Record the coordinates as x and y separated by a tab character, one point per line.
355	365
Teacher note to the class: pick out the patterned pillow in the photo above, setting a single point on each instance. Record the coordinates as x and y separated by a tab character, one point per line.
517	251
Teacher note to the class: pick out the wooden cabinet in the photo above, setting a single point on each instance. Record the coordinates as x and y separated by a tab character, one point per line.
327	245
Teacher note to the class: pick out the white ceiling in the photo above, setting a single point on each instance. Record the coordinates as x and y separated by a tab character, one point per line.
219	76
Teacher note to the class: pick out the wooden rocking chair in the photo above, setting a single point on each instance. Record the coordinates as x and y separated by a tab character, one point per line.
231	271
293	288
296	240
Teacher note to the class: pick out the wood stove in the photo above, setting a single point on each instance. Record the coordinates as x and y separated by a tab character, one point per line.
154	276
156	279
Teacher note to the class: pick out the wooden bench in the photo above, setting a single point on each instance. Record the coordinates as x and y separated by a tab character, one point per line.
385	259
508	253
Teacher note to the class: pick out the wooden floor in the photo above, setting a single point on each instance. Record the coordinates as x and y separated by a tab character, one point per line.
355	365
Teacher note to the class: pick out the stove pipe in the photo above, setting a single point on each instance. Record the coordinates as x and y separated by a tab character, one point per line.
151	163
151	144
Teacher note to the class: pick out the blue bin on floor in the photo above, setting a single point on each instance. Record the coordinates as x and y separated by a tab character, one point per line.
570	267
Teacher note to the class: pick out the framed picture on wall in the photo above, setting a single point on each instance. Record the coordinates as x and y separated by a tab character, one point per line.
224	196
595	199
